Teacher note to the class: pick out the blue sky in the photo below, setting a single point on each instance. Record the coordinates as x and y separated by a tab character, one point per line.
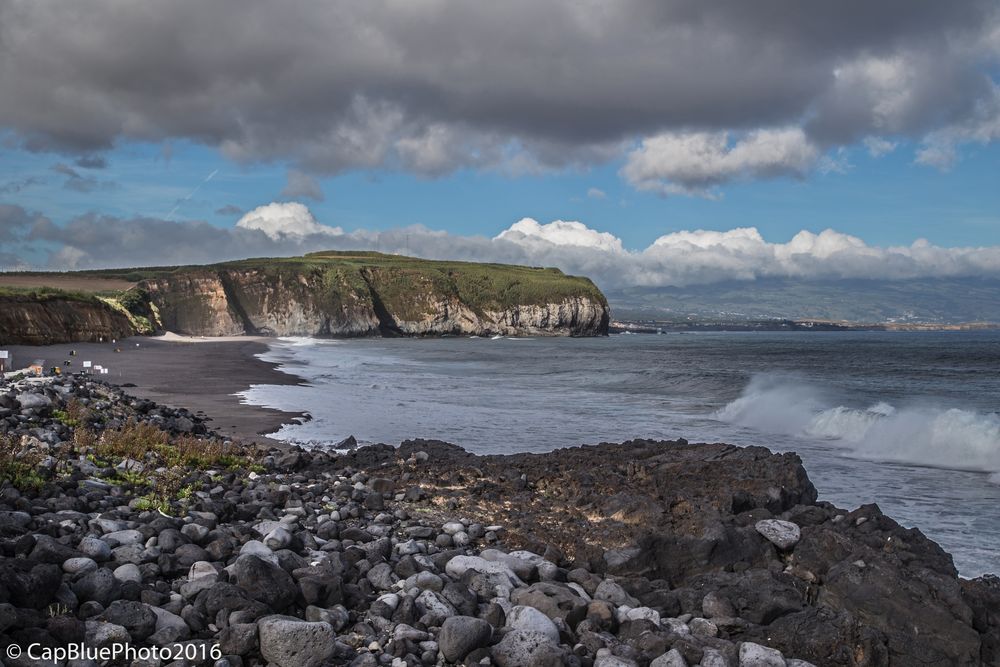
887	200
124	131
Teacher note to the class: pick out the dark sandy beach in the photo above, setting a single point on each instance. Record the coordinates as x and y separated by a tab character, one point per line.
201	376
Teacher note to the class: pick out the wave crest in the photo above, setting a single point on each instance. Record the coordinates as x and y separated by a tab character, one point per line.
938	437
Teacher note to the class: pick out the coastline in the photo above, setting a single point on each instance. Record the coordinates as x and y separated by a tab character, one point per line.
199	374
674	554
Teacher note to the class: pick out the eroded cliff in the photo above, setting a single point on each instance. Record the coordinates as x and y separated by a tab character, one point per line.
32	320
371	300
354	294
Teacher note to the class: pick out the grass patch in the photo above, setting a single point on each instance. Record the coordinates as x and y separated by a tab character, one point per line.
168	461
155	447
75	414
20	465
46	294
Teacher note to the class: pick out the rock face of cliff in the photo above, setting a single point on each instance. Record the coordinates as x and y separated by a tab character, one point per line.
29	320
373	299
328	294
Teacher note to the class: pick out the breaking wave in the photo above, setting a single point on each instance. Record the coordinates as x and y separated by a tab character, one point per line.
938	437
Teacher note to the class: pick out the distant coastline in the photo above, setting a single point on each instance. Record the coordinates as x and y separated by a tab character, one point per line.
643	326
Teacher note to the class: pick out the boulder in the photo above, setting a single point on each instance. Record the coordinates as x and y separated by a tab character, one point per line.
101	634
782	534
671	658
433	607
615	594
521	648
459	565
99	586
135	617
95	548
238	639
290	642
460	635
531	620
265	582
80	565
30	585
755	655
169	628
554	600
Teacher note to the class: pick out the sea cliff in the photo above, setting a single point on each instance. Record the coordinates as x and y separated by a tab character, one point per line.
43	319
322	294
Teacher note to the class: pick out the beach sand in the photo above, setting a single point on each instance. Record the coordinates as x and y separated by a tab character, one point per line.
200	374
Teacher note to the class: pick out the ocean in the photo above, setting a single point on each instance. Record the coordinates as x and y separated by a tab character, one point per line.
905	420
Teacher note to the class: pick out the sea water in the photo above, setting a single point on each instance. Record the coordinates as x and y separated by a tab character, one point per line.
905	420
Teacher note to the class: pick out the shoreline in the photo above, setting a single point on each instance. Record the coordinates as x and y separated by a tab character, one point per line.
674	554
199	374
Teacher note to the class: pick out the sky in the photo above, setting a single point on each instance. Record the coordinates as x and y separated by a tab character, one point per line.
642	143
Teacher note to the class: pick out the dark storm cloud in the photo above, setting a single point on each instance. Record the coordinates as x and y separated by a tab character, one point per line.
432	86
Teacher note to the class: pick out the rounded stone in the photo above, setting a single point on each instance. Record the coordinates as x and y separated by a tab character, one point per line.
290	642
460	635
530	619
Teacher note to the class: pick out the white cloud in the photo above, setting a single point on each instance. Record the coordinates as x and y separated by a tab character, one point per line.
596	193
877	146
708	256
938	154
679	258
940	148
528	232
695	162
281	220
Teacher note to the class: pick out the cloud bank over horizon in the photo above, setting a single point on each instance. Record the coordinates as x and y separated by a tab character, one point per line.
683	92
677	258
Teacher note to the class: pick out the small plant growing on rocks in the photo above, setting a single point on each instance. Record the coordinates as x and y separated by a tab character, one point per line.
133	478
133	440
19	465
151	502
56	609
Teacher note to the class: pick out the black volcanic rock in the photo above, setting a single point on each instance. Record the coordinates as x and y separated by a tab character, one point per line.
617	554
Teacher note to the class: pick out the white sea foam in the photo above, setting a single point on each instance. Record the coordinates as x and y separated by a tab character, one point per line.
306	341
495	397
939	437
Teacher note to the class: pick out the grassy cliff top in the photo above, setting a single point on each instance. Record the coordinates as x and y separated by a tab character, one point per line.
44	293
479	284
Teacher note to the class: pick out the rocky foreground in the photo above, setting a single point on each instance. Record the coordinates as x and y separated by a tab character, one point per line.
126	522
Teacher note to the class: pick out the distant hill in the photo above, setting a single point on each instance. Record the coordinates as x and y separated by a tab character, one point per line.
319	294
930	301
